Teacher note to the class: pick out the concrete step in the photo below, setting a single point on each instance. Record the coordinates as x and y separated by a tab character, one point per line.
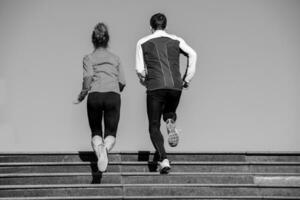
127	178
212	197
64	197
277	180
116	157
287	179
156	190
60	178
132	175
209	190
155	198
61	190
255	167
147	156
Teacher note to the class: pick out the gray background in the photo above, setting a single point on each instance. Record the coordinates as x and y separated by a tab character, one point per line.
244	97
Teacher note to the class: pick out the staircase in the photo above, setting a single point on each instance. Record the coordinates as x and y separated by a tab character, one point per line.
133	176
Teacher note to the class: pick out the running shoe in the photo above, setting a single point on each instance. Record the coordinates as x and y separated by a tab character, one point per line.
165	166
103	159
173	133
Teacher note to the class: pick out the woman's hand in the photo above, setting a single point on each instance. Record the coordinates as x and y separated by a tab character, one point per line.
81	97
76	102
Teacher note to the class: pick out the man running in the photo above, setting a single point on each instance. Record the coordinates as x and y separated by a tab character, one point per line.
157	66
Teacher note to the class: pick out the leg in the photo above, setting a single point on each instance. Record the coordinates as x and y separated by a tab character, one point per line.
95	121
155	105
95	112
111	118
173	98
169	115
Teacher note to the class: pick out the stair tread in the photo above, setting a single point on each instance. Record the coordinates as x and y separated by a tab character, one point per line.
212	197
62	197
88	156
34	186
145	174
146	162
151	152
152	197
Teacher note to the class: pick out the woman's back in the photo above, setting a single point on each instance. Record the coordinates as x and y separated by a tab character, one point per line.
105	68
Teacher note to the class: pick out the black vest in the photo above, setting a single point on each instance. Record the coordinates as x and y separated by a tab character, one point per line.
161	57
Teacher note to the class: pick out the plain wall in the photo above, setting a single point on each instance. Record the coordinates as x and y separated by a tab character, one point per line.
244	97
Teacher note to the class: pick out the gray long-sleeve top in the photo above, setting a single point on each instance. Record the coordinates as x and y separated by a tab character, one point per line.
102	72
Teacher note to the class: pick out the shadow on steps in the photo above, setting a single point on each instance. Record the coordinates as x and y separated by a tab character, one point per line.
92	159
145	156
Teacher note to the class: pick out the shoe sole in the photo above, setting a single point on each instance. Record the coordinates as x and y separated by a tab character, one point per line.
103	160
173	136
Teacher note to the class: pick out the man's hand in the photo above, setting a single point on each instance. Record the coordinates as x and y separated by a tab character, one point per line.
143	81
142	78
185	84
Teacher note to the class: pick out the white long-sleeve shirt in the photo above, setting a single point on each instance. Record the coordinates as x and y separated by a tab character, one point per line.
140	62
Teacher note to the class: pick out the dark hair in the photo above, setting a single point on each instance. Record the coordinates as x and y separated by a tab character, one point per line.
100	36
158	21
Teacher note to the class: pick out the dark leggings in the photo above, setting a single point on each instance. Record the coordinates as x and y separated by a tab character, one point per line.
105	104
162	102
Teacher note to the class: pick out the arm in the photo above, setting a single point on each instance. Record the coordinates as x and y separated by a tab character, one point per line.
140	65
192	58
87	78
121	76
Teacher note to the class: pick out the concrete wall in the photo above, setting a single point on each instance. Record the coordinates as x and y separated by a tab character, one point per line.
244	97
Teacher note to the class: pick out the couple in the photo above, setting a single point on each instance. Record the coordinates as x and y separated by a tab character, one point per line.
157	67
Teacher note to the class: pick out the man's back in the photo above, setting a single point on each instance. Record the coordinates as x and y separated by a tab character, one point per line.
158	54
161	56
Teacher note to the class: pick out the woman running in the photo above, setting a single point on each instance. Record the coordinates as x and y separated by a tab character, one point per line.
103	80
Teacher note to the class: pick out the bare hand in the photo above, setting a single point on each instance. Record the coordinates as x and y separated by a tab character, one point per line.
185	85
76	102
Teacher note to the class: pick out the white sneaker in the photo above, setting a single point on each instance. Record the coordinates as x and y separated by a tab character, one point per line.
102	160
173	136
165	166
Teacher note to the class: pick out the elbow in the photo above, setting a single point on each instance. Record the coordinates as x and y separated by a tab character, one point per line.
87	81
193	54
